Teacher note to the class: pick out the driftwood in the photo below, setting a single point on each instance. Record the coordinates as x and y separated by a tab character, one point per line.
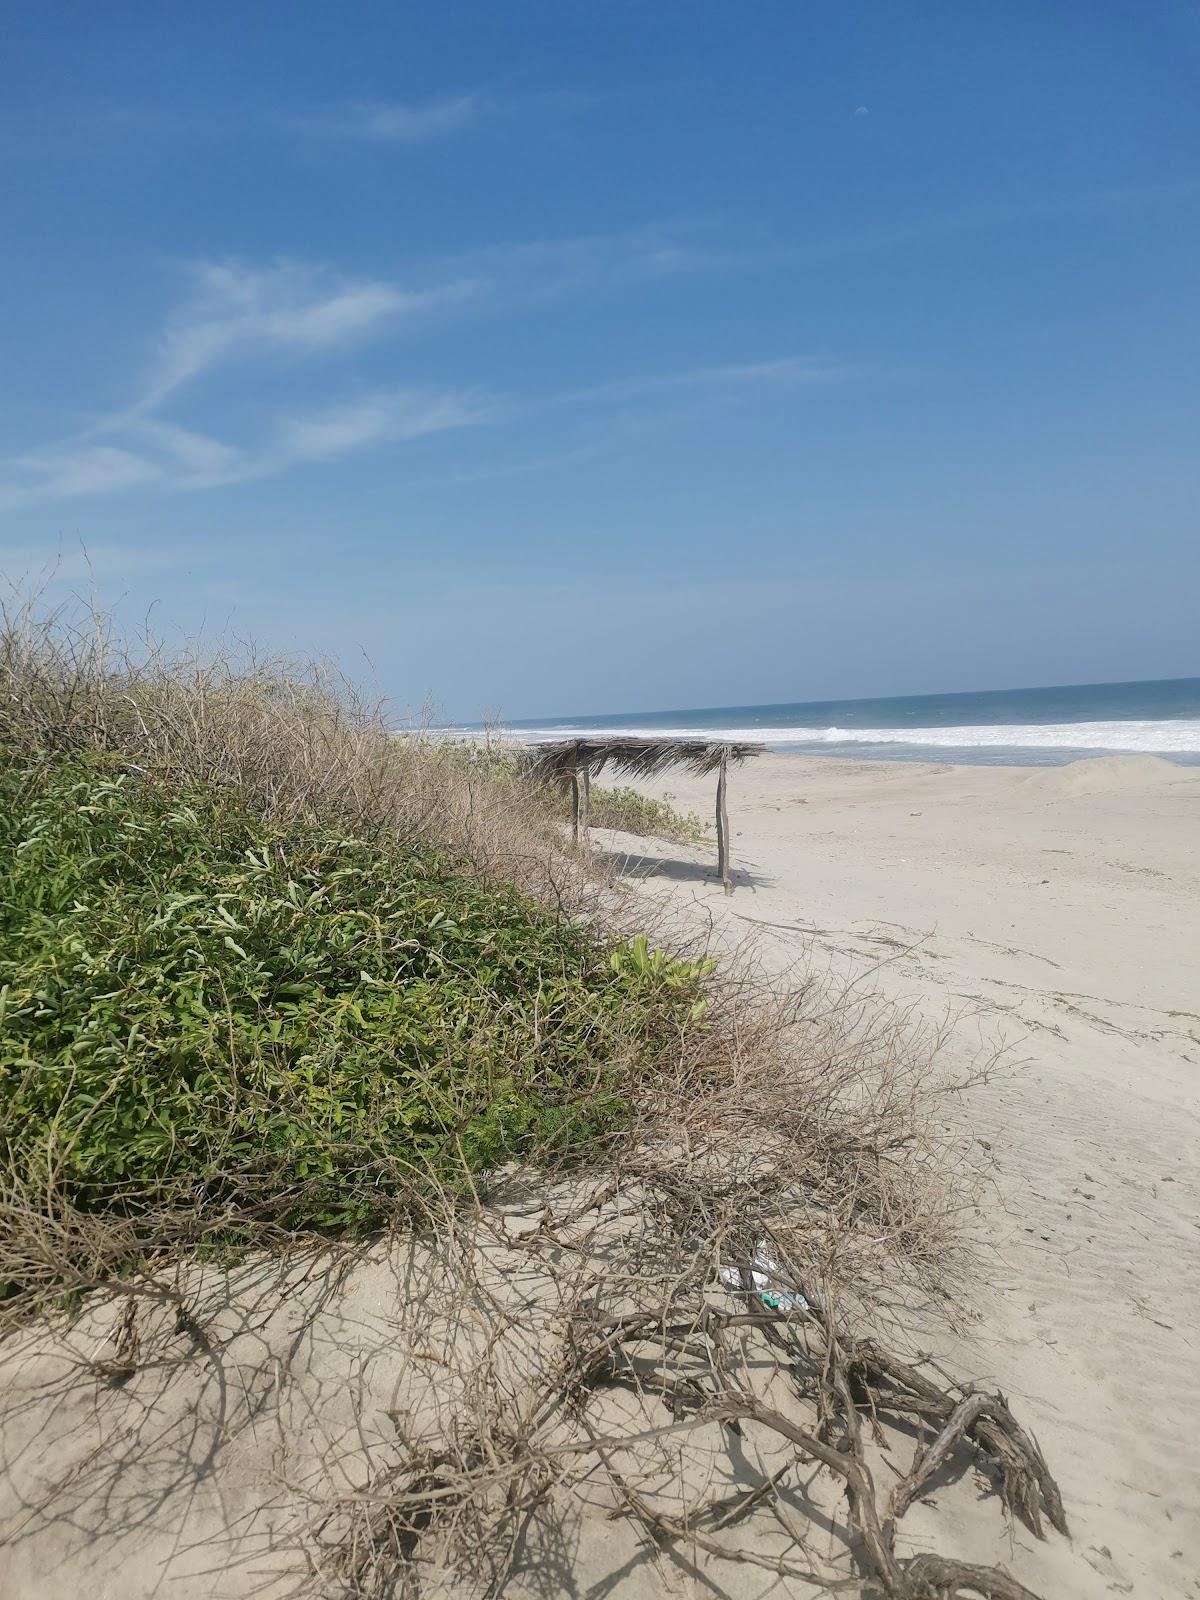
697	1367
859	1380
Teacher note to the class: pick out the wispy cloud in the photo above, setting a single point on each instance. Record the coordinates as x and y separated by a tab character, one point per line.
196	454
236	310
65	474
613	416
416	122
984	215
715	246
586	261
176	458
399	415
239	313
783	372
155	451
406	122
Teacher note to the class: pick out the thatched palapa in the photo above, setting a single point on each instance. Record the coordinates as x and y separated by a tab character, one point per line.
577	761
635	758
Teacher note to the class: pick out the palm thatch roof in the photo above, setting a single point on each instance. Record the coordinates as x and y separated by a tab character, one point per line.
635	758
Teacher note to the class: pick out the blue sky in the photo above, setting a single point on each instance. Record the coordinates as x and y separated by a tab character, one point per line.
571	357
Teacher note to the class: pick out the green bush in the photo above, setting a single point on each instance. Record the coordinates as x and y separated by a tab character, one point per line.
196	1002
633	812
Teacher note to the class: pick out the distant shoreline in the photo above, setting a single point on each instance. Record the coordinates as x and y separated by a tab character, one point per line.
1047	726
896	750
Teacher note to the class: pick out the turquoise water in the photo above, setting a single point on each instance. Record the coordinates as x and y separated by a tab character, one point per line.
1046	726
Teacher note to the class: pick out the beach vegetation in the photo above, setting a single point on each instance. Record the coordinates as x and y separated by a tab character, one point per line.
282	992
197	999
630	811
620	807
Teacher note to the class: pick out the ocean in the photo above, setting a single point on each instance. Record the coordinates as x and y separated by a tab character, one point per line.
1000	727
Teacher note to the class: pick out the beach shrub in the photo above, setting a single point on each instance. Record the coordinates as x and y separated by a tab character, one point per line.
199	1001
633	812
162	1089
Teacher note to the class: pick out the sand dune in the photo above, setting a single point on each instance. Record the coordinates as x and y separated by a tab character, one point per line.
1104	774
1059	908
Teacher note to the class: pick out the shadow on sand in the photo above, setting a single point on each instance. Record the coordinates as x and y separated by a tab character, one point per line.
635	864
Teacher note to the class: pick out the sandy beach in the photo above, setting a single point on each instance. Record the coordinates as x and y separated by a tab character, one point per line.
599	802
1059	906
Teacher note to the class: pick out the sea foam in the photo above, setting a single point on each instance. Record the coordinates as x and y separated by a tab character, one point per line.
1180	737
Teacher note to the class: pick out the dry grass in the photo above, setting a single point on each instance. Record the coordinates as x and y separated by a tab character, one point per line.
298	740
797	1126
586	1354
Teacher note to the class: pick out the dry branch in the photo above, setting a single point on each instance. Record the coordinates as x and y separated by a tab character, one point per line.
696	1369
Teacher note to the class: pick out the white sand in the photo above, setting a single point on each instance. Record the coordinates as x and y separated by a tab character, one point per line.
1060	904
1064	905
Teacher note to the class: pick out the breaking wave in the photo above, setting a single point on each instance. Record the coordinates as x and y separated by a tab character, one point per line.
1181	737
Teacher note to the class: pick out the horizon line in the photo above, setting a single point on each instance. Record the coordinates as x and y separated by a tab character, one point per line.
848	700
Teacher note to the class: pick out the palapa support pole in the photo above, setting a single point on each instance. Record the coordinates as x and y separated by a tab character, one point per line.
585	805
723	826
575	803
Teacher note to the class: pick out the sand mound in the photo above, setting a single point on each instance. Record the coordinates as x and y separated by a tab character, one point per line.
1104	774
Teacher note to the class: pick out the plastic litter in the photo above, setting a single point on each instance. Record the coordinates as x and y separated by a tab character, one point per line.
769	1282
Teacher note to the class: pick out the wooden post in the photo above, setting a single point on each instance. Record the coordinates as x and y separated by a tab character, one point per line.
575	805
585	806
723	828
